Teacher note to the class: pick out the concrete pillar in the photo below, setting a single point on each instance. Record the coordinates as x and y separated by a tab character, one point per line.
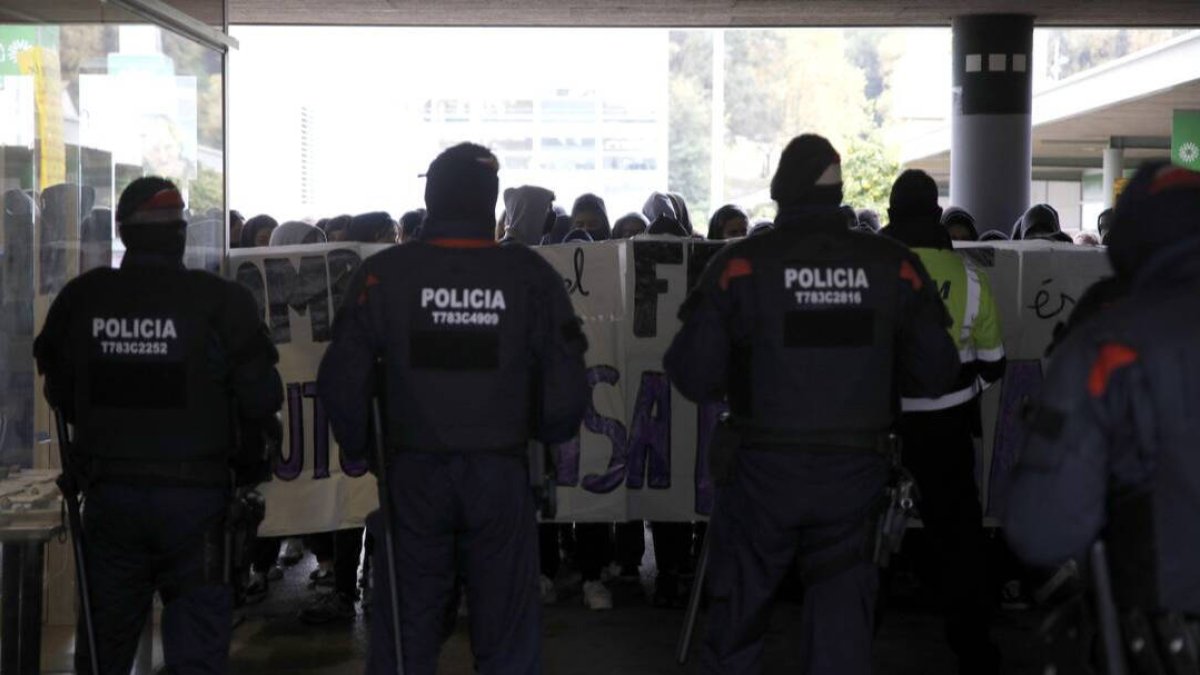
1114	167
991	147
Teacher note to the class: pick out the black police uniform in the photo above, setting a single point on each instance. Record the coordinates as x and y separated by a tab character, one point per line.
151	363
480	351
1111	450
813	332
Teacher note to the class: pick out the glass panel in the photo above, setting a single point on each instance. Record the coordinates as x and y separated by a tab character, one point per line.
84	110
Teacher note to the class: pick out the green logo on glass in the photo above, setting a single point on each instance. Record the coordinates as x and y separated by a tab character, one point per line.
1185	139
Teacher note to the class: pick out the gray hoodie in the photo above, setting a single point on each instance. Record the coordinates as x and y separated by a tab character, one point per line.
527	208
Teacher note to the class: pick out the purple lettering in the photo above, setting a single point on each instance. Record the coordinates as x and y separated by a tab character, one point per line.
289	469
566	462
650	437
1022	381
594	422
707	416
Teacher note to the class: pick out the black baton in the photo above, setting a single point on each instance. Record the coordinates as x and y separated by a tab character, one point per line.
69	488
389	536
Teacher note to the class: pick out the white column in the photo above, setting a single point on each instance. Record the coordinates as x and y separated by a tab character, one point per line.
1114	166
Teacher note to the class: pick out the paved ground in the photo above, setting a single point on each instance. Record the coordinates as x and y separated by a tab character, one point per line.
632	639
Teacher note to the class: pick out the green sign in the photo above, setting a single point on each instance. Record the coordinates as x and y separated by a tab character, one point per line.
1185	139
15	39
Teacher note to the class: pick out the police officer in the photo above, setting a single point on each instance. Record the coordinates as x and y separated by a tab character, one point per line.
937	431
811	331
153	363
1111	445
480	351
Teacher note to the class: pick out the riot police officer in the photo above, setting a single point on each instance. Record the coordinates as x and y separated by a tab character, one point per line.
477	350
1111	445
154	364
812	331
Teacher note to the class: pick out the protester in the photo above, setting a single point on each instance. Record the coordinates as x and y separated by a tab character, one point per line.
681	212
236	223
256	233
728	222
337	228
462	403
589	213
660	214
296	233
629	225
530	214
937	432
993	235
1039	222
868	220
558	231
410	226
811	388
1104	224
761	226
959	224
153	429
1085	239
376	227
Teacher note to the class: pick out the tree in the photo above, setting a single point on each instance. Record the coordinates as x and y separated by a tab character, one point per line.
868	171
689	152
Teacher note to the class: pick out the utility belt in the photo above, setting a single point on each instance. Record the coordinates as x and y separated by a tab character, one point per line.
886	523
733	434
212	472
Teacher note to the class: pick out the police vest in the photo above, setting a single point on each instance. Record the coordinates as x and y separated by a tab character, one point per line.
151	382
459	353
976	331
821	326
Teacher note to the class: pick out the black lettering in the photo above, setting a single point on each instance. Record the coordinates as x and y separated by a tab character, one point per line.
647	256
305	292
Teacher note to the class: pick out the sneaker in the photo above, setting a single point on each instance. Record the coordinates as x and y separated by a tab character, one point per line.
256	589
596	595
292	553
322	577
275	573
549	593
328	608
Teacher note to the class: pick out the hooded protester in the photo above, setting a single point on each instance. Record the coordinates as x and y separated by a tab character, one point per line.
236	223
296	233
577	236
993	235
530	210
1039	222
913	213
662	217
868	220
629	225
558	231
589	213
1086	239
1110	446
376	227
337	227
761	226
1104	224
728	222
257	231
959	224
410	225
681	212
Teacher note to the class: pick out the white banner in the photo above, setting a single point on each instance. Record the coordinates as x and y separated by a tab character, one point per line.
640	453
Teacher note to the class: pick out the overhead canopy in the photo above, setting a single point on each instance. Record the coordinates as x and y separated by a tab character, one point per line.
660	13
1127	103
